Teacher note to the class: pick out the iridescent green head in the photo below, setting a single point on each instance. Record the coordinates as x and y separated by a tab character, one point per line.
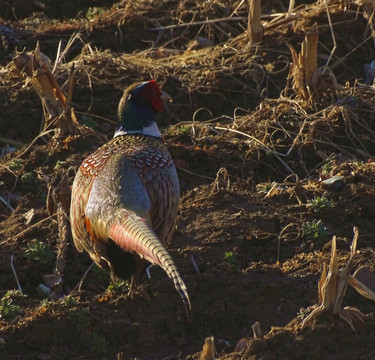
138	106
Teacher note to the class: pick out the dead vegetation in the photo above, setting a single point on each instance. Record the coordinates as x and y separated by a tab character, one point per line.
273	107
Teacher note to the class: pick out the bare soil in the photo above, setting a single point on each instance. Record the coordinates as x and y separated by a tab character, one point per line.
250	155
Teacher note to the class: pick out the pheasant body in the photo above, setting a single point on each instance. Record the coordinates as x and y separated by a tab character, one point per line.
125	198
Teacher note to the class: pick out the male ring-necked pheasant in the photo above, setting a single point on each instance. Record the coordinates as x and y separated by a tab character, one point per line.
125	195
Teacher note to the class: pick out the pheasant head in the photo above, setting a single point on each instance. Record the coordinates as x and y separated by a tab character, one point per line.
137	109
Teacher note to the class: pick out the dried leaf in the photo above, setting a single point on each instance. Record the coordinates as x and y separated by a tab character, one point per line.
29	216
208	352
363	281
321	282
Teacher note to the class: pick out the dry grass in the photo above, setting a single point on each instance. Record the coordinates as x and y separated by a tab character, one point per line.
291	127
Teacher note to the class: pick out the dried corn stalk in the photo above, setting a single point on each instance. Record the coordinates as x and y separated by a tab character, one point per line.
254	27
332	287
208	352
310	82
34	67
304	64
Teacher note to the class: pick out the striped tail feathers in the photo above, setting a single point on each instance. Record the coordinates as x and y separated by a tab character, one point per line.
134	235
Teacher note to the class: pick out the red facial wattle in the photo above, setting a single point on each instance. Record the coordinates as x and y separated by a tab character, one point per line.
154	94
157	103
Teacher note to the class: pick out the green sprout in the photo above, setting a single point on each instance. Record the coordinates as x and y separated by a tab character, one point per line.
315	230
264	188
27	178
59	164
14	294
326	168
320	203
70	301
94	12
44	303
231	260
8	311
39	251
115	286
184	129
15	164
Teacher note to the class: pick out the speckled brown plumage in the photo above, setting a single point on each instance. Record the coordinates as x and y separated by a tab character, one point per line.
125	196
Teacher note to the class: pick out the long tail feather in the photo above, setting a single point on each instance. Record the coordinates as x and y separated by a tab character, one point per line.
134	236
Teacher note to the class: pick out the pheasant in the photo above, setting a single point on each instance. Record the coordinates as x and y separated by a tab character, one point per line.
125	195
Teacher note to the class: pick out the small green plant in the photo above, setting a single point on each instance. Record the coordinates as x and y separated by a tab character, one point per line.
8	311
89	122
15	164
39	251
327	167
14	294
44	303
70	301
94	12
320	203
230	260
59	164
27	178
264	188
315	230
184	129
115	286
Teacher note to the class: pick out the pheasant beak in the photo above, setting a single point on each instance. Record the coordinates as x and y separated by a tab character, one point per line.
165	97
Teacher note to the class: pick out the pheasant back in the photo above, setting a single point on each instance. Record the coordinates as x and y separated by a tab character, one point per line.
124	202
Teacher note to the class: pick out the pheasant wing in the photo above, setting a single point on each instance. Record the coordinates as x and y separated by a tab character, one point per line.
160	180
